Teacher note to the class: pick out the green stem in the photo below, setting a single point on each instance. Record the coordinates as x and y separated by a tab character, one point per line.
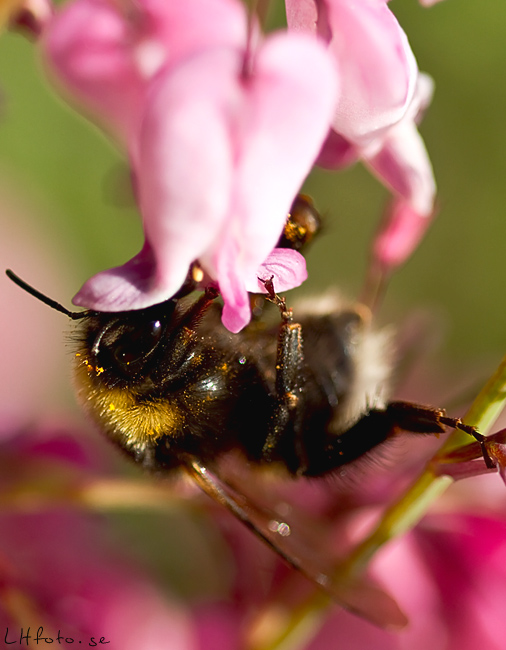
405	513
398	518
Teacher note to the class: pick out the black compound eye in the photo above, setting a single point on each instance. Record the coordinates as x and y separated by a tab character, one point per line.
124	346
134	346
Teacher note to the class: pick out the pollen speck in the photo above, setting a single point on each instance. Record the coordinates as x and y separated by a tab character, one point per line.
111	407
198	274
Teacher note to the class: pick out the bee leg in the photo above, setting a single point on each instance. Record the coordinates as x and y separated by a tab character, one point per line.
425	419
284	435
416	418
376	426
272	296
185	333
194	314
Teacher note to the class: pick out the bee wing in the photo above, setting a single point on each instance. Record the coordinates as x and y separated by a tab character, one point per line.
357	594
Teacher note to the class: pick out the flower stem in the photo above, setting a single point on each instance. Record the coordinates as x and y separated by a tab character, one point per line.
397	519
405	513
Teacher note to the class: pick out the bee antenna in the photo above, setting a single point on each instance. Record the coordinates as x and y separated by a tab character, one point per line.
75	315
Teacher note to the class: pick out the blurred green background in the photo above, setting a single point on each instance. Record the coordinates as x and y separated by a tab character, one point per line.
56	161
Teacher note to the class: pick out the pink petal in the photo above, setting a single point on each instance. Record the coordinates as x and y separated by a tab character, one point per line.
403	165
400	159
219	158
134	285
337	152
88	46
185	170
495	446
401	233
236	308
376	66
285	266
282	121
471	590
190	27
201	113
288	268
106	52
290	99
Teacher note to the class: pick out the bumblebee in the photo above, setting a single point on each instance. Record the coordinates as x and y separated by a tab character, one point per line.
175	390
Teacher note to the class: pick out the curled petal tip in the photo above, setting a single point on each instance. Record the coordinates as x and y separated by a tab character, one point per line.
236	317
135	285
287	267
402	230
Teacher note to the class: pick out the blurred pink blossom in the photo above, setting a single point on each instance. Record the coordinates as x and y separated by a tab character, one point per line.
60	568
399	235
221	132
78	586
449	576
74	571
33	376
382	98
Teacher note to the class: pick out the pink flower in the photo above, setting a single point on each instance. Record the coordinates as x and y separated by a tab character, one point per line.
399	234
73	570
60	563
106	53
403	165
382	98
61	570
452	596
372	57
221	135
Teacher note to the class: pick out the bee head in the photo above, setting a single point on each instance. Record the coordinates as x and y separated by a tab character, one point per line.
121	348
